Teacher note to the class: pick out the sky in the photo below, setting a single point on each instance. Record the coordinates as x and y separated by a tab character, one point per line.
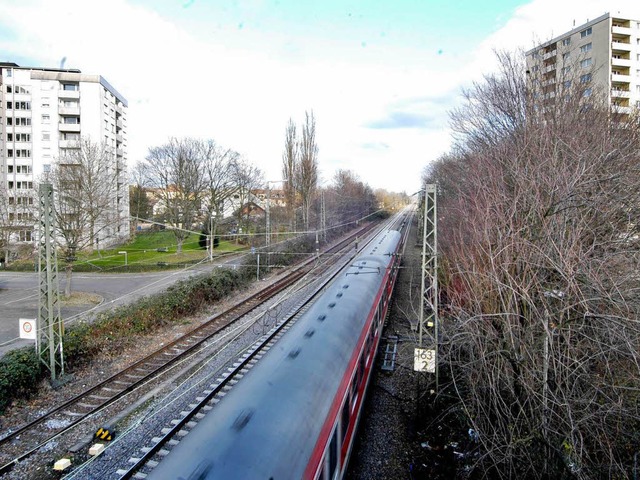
379	75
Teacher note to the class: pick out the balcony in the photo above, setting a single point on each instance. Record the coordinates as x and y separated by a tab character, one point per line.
621	30
69	127
68	143
620	109
69	94
620	62
119	138
119	152
550	54
624	46
69	111
548	69
620	78
620	93
119	123
119	108
21	145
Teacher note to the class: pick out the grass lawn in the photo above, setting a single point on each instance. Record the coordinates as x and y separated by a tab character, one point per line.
151	248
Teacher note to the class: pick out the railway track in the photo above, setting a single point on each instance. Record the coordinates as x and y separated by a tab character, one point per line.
170	436
98	397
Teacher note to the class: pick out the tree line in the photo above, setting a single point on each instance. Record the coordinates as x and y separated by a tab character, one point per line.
539	236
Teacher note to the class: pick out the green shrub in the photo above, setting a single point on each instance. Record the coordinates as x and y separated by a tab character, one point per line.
20	372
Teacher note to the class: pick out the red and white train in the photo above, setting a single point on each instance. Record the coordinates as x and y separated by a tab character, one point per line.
294	414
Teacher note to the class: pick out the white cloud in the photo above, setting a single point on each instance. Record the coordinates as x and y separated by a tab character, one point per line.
242	95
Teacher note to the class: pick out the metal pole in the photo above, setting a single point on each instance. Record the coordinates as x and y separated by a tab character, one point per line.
211	237
267	242
258	268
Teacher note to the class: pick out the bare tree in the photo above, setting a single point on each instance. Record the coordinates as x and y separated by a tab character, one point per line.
85	183
219	165
290	165
348	199
140	206
307	171
176	170
539	202
246	179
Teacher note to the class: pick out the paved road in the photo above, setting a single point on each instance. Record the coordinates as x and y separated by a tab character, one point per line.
19	296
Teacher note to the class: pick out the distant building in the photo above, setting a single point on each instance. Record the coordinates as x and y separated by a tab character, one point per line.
43	114
604	52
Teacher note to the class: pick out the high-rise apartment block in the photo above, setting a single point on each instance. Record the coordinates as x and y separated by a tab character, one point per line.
44	114
603	53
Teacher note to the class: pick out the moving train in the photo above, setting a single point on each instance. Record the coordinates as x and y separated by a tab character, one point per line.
294	414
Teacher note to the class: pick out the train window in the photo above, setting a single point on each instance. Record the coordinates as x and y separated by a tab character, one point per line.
345	418
354	391
333	454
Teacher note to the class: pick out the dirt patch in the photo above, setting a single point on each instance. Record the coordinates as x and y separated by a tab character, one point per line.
78	299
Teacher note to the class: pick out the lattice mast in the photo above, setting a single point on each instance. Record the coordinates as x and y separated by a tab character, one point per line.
323	217
429	287
50	326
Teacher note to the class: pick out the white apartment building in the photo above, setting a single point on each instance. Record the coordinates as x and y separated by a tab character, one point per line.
43	114
603	53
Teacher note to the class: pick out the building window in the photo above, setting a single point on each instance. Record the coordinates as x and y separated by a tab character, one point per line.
586	62
9	105
566	41
9	168
566	70
46	136
25	236
567	84
586	32
21	105
585	48
587	92
565	56
9	121
586	78
73	87
8	88
46	118
9	137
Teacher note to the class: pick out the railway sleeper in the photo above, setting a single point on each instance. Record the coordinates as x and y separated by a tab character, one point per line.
99	397
73	414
